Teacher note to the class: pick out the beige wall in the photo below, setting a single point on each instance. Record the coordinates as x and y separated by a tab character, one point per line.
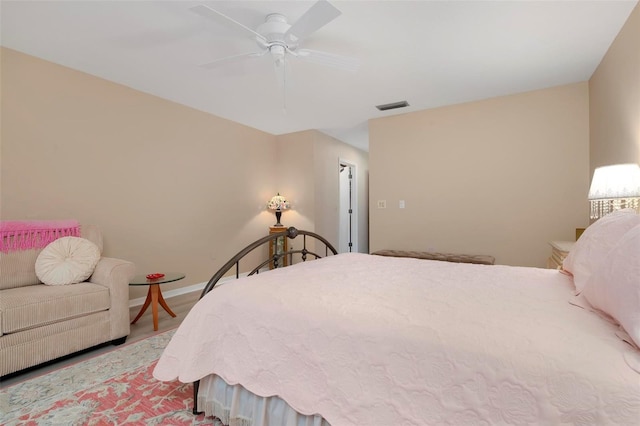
157	176
308	175
502	176
171	188
294	179
614	98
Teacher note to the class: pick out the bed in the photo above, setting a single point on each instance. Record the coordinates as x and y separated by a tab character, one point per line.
357	339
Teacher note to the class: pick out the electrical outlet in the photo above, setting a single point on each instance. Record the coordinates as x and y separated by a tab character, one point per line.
401	204
382	204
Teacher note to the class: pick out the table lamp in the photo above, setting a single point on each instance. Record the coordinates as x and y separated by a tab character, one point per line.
613	188
278	203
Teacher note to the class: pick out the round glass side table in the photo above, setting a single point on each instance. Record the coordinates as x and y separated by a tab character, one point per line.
154	295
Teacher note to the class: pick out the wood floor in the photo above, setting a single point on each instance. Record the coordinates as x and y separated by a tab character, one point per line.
180	305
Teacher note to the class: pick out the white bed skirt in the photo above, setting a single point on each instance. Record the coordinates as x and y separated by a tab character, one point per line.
236	406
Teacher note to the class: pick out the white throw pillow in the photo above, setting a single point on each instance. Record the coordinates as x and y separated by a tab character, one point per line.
615	287
67	260
595	243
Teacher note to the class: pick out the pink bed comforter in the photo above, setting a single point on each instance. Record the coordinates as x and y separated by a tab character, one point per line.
369	340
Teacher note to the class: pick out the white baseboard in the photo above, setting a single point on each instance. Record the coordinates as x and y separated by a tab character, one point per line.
182	290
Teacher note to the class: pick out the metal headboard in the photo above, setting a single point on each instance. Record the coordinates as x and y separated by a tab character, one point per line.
290	233
275	259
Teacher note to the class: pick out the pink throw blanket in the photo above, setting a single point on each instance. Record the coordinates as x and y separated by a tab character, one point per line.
29	234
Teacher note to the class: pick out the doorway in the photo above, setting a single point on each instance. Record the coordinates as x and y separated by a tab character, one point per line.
347	208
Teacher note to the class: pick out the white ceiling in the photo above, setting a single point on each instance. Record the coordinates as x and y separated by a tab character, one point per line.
430	53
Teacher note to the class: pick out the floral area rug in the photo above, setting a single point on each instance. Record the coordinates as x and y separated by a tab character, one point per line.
115	388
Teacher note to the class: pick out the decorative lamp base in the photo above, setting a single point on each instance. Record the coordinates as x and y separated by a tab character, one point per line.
278	216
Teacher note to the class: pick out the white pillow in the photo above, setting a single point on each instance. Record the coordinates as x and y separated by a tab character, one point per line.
595	242
67	260
615	287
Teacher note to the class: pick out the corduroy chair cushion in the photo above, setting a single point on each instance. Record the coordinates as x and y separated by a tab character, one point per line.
37	305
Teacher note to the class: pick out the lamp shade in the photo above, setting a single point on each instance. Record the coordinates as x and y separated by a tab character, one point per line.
278	202
614	187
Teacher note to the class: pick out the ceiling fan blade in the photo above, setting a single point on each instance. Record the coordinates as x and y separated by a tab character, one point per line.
227	59
223	19
318	15
328	59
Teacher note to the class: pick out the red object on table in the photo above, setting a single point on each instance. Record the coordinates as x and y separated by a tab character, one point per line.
154	276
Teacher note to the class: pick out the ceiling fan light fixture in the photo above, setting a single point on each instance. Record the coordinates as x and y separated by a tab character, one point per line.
277	53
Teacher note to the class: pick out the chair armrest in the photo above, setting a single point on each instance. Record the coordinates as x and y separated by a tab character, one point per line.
116	274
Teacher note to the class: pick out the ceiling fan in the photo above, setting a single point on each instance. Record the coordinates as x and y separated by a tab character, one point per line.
280	39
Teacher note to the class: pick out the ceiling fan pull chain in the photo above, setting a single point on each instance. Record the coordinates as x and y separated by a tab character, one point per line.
284	85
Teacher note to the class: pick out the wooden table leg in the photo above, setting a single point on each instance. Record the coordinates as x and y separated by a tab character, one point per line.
154	289
154	297
164	304
146	304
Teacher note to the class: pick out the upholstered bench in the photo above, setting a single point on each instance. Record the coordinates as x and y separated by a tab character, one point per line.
447	257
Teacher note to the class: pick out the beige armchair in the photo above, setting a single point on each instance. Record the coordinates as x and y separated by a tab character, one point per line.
39	323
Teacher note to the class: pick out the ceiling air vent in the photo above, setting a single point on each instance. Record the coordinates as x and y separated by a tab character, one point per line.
393	105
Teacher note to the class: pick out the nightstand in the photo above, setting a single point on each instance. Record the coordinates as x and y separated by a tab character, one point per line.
559	250
278	246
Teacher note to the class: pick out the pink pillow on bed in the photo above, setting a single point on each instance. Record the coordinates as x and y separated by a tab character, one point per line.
595	243
615	287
